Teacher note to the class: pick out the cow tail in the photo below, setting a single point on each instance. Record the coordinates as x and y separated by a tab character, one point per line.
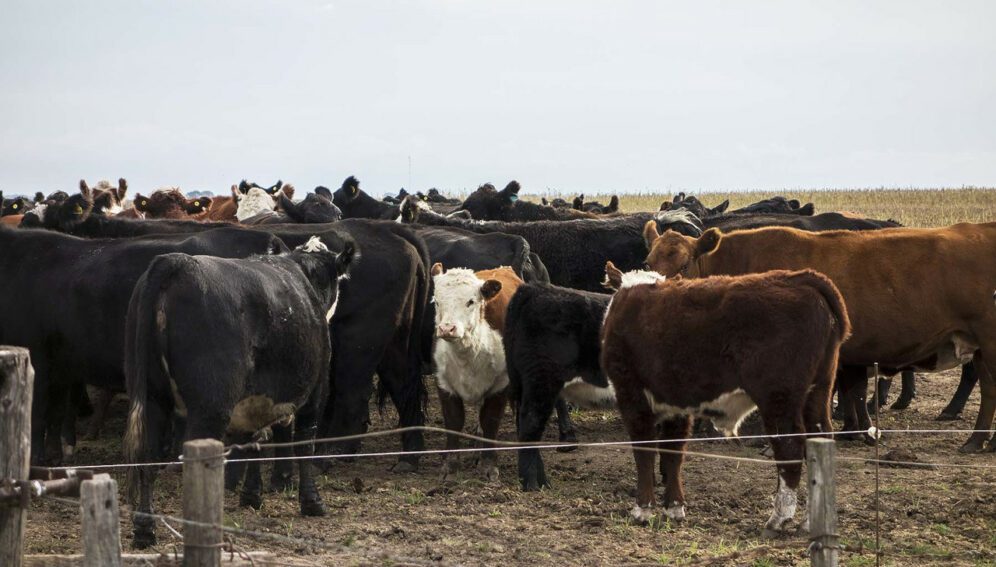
144	358
835	301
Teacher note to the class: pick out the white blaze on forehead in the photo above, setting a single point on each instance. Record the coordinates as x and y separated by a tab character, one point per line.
103	185
314	244
39	211
640	277
254	202
453	290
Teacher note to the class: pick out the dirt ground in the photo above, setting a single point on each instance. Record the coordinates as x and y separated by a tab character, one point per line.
942	516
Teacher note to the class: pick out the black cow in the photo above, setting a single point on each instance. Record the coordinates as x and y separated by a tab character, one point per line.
551	340
691	203
730	222
459	248
234	346
575	252
63	298
487	203
355	203
316	208
777	204
557	202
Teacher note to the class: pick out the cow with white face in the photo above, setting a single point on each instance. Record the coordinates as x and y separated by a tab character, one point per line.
468	353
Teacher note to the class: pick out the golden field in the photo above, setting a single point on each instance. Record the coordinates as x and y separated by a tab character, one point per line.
912	207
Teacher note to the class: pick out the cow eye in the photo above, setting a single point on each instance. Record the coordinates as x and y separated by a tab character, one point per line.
469	303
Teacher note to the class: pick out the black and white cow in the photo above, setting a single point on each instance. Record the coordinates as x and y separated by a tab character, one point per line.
234	346
64	299
551	347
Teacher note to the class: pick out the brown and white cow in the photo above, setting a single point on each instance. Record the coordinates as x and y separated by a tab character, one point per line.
468	353
919	299
719	348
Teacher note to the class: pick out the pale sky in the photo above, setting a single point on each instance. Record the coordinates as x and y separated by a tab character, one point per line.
570	96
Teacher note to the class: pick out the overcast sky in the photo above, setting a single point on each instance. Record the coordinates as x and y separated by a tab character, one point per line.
570	96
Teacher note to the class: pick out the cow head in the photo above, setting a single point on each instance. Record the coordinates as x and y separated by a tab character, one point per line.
316	207
14	206
578	203
324	269
254	202
672	253
170	203
616	279
108	199
487	203
74	209
460	298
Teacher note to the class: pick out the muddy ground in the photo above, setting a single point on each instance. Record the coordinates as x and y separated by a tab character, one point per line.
943	516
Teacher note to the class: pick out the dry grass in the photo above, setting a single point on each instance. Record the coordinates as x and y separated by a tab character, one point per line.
912	207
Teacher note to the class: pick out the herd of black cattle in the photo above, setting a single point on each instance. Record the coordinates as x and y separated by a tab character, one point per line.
236	317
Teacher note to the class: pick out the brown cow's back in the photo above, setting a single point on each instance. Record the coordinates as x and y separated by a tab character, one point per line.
496	309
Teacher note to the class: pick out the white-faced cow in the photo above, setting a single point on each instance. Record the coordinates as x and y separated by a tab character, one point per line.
468	353
719	348
234	346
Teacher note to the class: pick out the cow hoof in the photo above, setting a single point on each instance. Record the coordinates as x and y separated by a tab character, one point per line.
768	452
770	533
901	403
948	416
973	445
533	485
313	508
281	485
642	515
401	467
568	437
144	541
254	501
675	512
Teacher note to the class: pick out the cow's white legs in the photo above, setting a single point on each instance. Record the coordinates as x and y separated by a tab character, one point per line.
785	501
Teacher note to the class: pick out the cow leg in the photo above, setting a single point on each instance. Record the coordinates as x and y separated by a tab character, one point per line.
672	456
282	476
252	490
404	384
492	411
785	449
987	408
156	421
453	420
816	410
566	426
305	429
101	399
72	403
234	471
641	426
537	397
960	398
853	381
908	392
884	384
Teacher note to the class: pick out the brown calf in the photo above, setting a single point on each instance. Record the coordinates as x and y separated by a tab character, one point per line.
719	348
172	204
919	299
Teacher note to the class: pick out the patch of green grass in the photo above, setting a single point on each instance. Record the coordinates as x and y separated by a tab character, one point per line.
415	497
495	512
859	561
941	529
894	489
348	541
763	562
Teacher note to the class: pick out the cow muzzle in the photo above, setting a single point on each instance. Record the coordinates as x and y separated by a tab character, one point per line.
447	332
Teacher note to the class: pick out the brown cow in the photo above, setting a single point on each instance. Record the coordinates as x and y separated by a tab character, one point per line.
719	348
919	299
224	208
170	203
469	355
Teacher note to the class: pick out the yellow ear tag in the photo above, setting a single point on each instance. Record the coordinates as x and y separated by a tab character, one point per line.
15	206
144	202
197	203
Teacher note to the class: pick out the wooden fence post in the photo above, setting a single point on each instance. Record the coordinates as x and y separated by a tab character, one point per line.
101	531
16	383
203	501
820	454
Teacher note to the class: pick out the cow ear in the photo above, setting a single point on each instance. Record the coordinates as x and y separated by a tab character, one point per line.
288	206
436	270
708	242
244	187
122	189
288	190
141	203
544	201
679	197
39	197
613	205
279	185
345	259
85	190
613	276
323	191
666	206
578	202
511	191
351	185
721	208
650	233
490	289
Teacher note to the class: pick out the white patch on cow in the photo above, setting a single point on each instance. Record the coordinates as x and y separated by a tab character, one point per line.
727	411
314	244
675	512
785	501
583	394
254	202
166	189
642	515
469	356
38	211
640	277
114	209
68	450
398	220
103	185
680	216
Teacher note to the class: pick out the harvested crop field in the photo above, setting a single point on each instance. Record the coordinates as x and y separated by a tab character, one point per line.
942	516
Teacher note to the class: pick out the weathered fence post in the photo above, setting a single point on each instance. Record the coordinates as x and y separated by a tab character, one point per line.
820	454
101	531
16	383
203	501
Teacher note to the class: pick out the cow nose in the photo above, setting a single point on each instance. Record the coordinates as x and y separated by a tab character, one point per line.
447	330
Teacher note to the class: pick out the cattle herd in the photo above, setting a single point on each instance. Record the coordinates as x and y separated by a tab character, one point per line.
257	316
